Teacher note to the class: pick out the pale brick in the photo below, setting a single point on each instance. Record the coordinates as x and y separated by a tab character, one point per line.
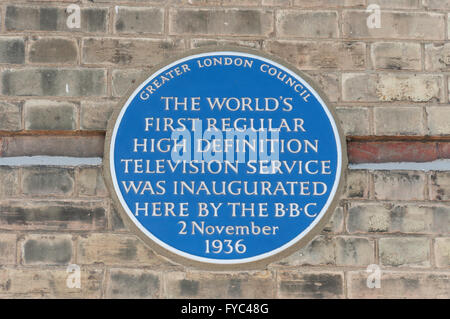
50	282
9	181
8	249
336	222
133	283
397	4
253	285
354	120
366	218
405	252
303	284
392	185
53	50
307	24
45	181
95	115
284	3
139	20
54	82
400	285
123	80
396	56
437	56
49	115
440	186
308	55
12	50
357	184
53	215
359	87
387	87
340	251
113	249
45	18
354	251
198	43
90	182
438	120
328	3
10	116
399	121
395	25
416	88
442	252
328	83
221	21
47	249
138	52
320	251
437	4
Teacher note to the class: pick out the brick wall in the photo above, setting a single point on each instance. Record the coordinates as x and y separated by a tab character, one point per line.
59	86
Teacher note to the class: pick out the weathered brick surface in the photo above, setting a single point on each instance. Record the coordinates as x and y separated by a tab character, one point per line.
399	121
46	18
112	249
302	284
139	20
12	50
306	24
142	52
9	181
442	252
221	22
49	283
396	56
50	115
319	55
43	181
134	283
53	50
399	185
388	85
53	215
123	80
95	115
219	285
90	182
46	249
440	186
354	120
400	285
8	248
438	123
395	25
10	116
54	82
390	218
411	251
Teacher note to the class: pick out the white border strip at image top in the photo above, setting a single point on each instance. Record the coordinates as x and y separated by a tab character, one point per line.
226	261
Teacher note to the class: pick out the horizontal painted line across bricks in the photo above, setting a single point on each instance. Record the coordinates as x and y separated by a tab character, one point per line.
21	161
24	161
368	149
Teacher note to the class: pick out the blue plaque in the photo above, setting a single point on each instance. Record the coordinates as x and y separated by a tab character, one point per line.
225	157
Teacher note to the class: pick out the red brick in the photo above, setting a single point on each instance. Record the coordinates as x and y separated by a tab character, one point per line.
444	150
379	152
